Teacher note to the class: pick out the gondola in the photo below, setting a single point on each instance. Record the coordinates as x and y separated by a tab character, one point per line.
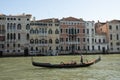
65	65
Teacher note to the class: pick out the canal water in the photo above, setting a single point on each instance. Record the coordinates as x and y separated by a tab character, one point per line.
20	68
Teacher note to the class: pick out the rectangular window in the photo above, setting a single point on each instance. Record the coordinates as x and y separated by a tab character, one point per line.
93	40
103	40
88	48
78	31
66	30
117	36
61	30
66	39
88	40
99	40
110	27
87	31
110	36
83	39
111	44
7	45
78	39
98	47
92	47
13	45
83	30
116	27
18	36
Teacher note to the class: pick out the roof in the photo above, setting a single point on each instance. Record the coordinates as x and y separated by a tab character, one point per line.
114	21
48	20
71	19
2	14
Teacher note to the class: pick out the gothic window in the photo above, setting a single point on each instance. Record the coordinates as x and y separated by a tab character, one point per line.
50	31
31	31
50	40
56	31
36	31
19	26
57	41
31	41
36	41
14	26
27	27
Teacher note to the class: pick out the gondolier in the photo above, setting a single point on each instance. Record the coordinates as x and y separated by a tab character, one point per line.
81	59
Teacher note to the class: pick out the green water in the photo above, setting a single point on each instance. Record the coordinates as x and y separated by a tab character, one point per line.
20	68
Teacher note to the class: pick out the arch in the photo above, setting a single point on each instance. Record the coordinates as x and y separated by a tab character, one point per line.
50	41
36	31
27	27
57	41
56	31
31	31
14	26
8	26
19	26
36	41
31	41
50	31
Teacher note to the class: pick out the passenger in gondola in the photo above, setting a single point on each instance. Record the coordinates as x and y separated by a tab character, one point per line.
73	62
62	63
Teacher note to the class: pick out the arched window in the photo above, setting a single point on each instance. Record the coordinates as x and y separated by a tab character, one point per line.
27	27
31	41
11	25
19	26
36	41
28	36
57	41
50	41
56	31
50	31
36	31
31	31
14	26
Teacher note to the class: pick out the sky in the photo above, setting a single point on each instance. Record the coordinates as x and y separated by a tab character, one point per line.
102	10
